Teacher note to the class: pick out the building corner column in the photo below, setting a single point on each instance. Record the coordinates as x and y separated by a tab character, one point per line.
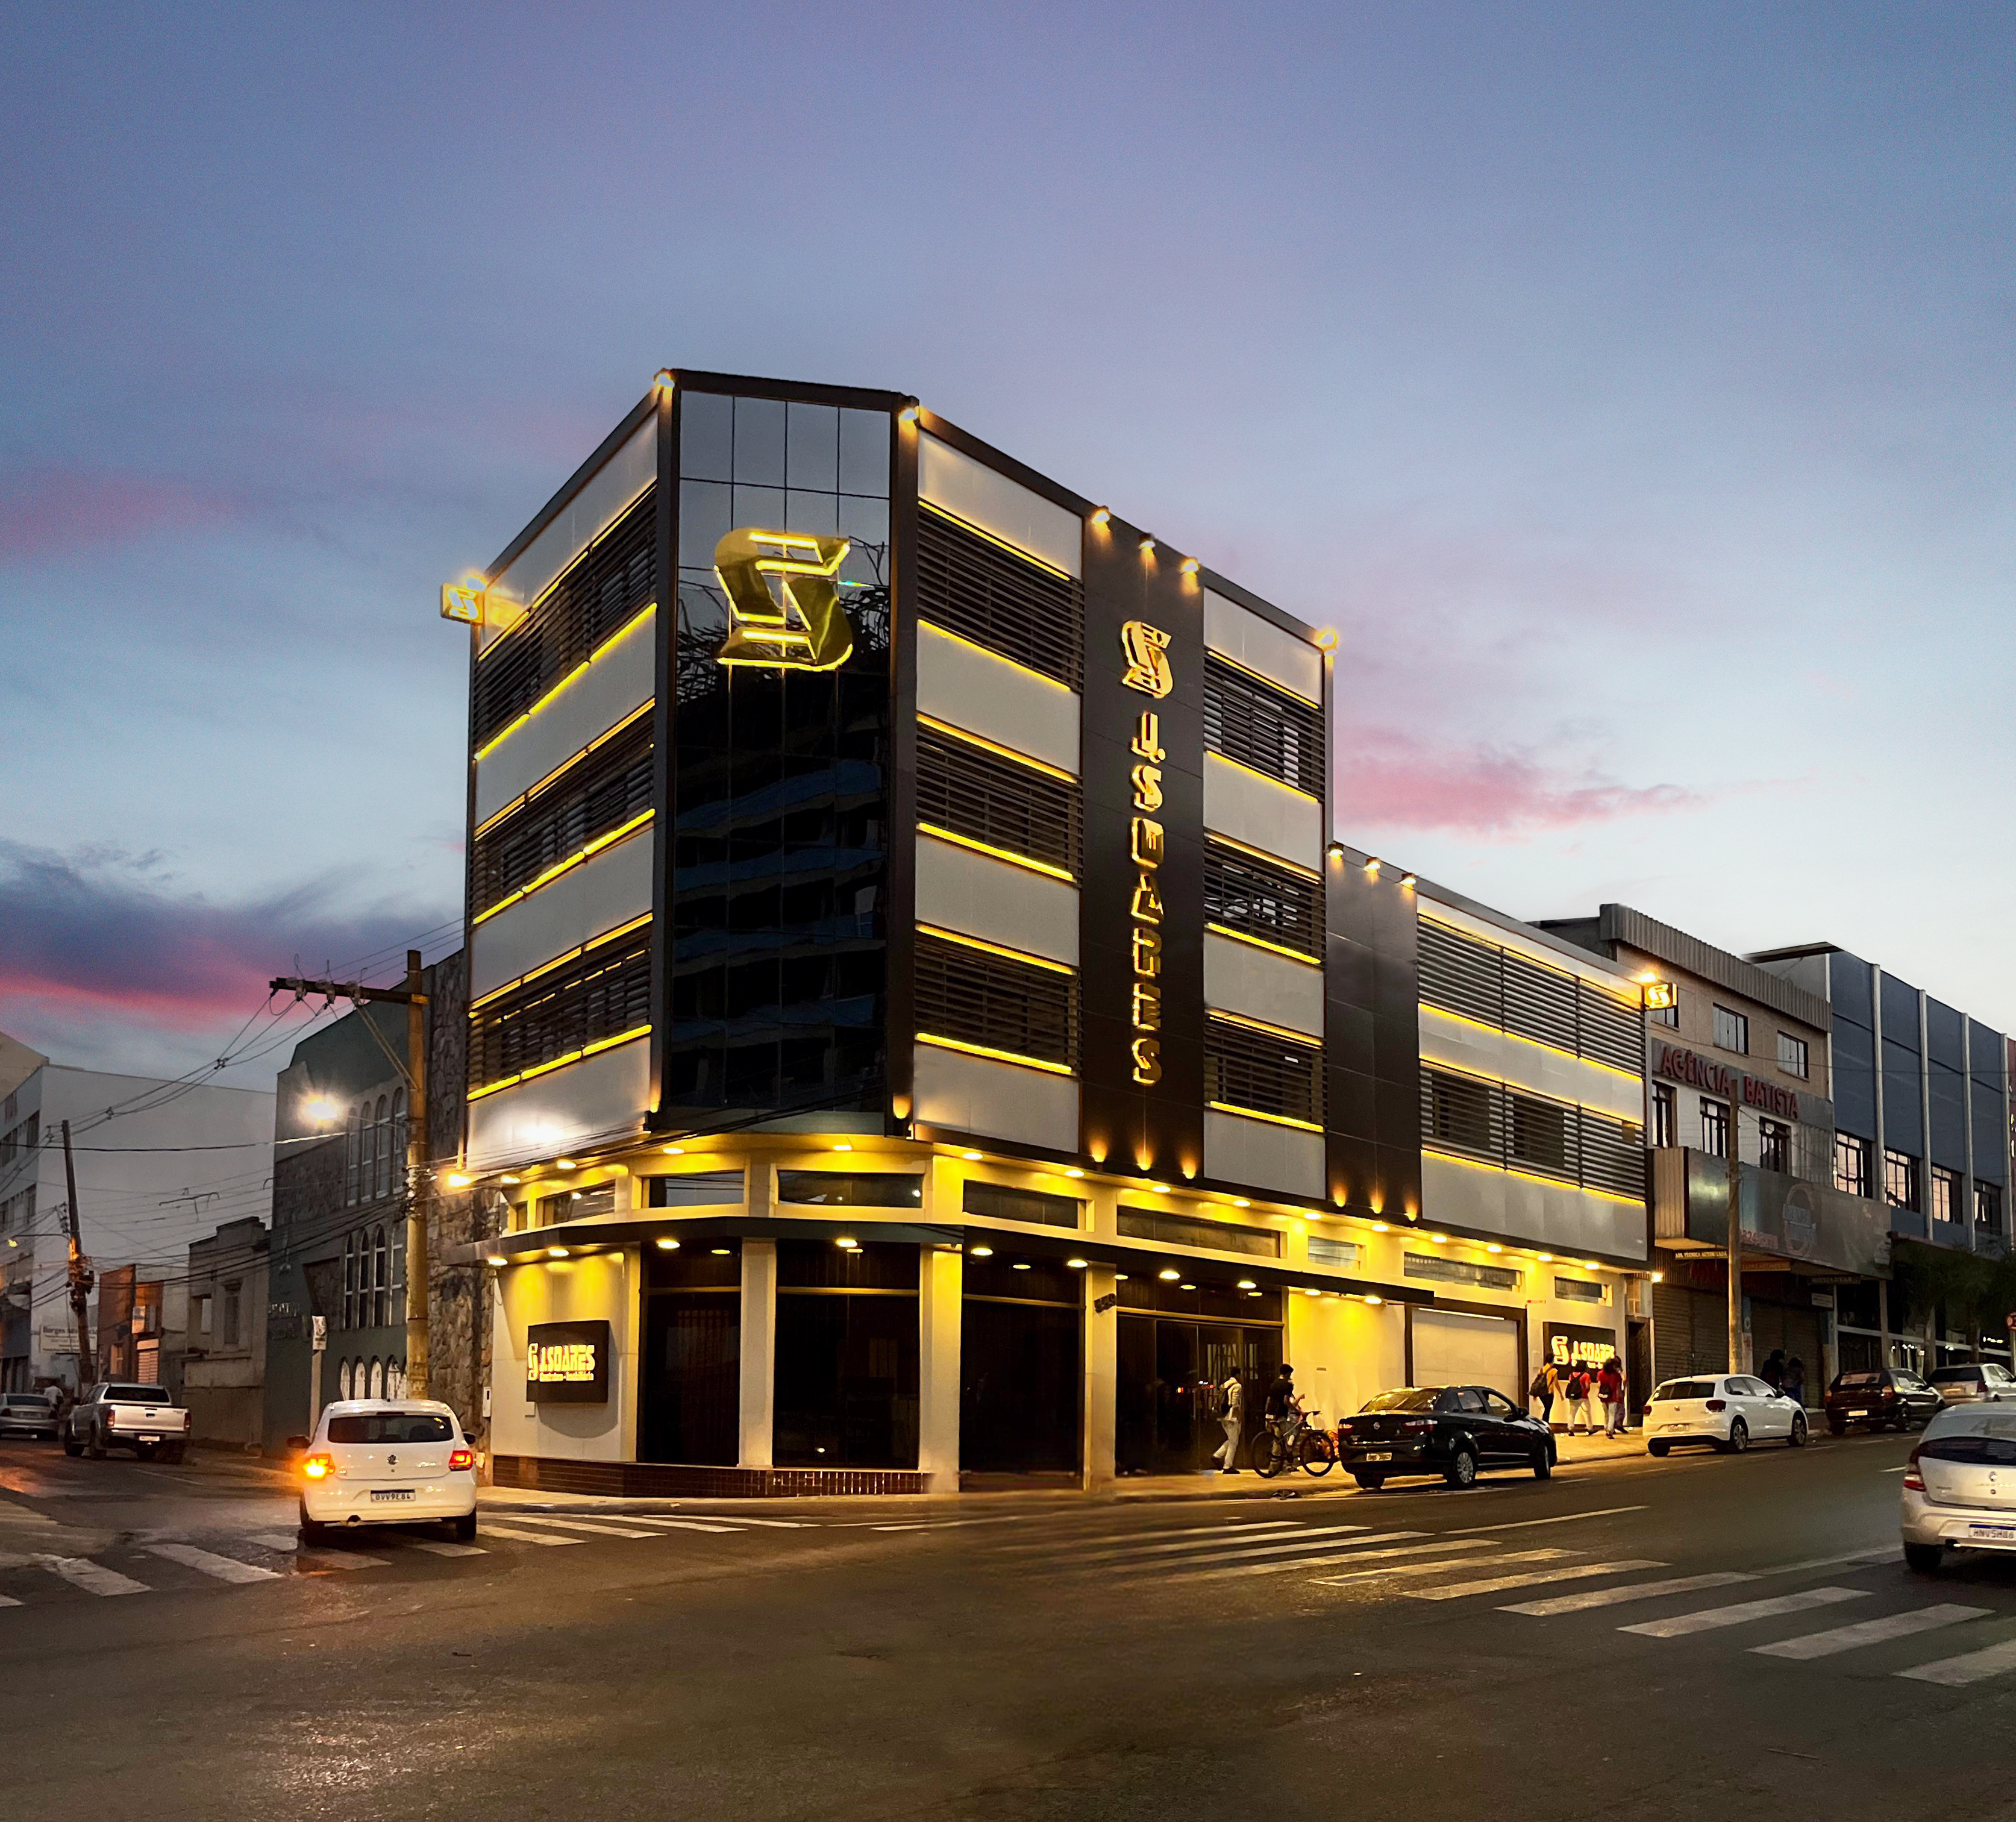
759	1352
942	1280
1098	1467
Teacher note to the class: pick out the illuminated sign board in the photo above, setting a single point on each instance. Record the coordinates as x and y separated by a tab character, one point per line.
463	601
802	626
1718	1078
1146	649
567	1363
1568	1345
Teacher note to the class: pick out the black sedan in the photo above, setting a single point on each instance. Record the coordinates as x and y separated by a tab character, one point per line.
1880	1398
1453	1431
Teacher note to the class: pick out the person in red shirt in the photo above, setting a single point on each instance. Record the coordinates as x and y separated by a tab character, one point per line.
1609	1388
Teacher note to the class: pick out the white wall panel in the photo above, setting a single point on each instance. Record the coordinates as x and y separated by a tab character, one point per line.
600	1287
1506	1058
999	1100
959	890
617	682
971	490
1262	1155
611	490
1238	978
973	689
1261	813
600	1095
1556	1217
608	889
1242	635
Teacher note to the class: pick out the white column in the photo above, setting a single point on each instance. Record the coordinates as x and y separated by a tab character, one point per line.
940	1282
759	1351
1101	1379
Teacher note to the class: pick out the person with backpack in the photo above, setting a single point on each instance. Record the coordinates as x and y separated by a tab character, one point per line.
1610	1389
1229	1398
1542	1392
1581	1418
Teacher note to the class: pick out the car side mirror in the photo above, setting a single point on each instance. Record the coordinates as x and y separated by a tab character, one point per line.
296	1444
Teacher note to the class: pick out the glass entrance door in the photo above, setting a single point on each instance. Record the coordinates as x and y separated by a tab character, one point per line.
1169	1370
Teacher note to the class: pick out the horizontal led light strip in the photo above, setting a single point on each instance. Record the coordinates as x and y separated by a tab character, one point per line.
1273	1119
1225	657
560	771
1538	1043
988	848
608	645
572	955
951	518
998	657
1293	955
980	740
993	1055
1281	861
1266	1030
1266	777
1431	1150
635	1032
996	948
572	861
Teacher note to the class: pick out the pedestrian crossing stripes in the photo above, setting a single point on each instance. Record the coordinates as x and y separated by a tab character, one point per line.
1870	1632
1583	1599
1495	1584
518	1534
93	1577
1711	1618
1969	1667
225	1568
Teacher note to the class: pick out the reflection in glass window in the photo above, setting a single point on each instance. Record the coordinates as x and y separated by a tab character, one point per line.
1792	1055
1732	1031
1714	1128
1851	1164
1900	1180
1774	1145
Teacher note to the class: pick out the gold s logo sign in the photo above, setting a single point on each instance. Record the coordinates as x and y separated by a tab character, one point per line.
1147	649
803	627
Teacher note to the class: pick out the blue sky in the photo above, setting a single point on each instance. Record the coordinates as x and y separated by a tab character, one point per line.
1632	388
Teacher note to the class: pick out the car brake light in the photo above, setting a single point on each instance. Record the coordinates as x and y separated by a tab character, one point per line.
1419	1424
1718	1404
458	1458
1888	1392
317	1467
1914	1481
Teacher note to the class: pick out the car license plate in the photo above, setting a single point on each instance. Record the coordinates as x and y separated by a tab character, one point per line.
1993	1533
1379	1455
1858	1413
391	1492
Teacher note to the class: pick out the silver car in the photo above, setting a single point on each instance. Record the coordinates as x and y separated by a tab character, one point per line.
1987	1380
27	1414
1959	1489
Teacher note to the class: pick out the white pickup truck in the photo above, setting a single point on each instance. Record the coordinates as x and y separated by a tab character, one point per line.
116	1415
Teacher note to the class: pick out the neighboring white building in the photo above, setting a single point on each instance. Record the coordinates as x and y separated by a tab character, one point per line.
171	1165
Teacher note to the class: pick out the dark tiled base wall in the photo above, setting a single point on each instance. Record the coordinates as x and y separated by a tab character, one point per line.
655	1479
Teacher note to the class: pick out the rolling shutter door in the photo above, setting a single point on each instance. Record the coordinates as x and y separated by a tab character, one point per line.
1451	1349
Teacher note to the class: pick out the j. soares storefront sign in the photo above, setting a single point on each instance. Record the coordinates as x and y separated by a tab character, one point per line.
567	1363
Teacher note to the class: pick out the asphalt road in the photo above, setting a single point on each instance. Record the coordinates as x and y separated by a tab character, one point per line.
1510	1651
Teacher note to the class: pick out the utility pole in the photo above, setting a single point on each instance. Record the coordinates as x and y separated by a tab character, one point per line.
80	1276
415	1000
1733	1145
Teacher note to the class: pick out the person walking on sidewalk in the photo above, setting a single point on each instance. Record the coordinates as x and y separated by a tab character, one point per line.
1795	1381
1232	1414
1773	1371
1557	1394
1610	1389
1542	1392
1582	1420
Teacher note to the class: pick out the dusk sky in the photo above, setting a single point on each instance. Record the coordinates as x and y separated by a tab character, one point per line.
1631	387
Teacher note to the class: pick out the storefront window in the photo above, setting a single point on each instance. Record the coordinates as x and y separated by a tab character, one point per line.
691	1369
846	1361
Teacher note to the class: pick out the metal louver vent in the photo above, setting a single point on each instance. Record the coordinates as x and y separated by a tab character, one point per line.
1610	1031
1461	974
975	996
1540	1002
1263	1073
971	792
1262	727
605	992
970	586
600	793
1247	894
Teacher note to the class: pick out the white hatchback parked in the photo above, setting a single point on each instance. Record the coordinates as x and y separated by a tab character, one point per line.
387	1461
1961	1486
1730	1410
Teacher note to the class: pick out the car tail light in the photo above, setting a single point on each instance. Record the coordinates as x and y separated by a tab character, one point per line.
1718	1404
317	1467
458	1458
1914	1481
1887	1393
1419	1424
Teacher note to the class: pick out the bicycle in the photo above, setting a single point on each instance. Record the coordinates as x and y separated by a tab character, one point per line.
1300	1442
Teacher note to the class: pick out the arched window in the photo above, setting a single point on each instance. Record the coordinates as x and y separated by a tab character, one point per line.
398	1168
343	1380
384	1146
395	1379
349	1280
381	1279
353	1155
399	1269
375	1383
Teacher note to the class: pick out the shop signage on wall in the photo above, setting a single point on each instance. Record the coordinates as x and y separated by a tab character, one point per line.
802	627
1146	649
1568	1345
1718	1078
567	1363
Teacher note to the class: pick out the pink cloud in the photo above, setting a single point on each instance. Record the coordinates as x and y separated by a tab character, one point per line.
1391	780
46	513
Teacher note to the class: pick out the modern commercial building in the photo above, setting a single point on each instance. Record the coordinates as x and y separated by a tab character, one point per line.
1922	1118
919	1018
1737	1054
158	1165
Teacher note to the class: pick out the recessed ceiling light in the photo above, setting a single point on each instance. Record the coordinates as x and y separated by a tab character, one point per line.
1247	1284
1020	1265
1074	1171
982	1252
675	1151
1169	1274
668	1245
1077	1265
971	1156
1241	1202
556	1252
843	1148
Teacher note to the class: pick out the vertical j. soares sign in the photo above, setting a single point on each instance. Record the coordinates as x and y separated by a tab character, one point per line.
567	1363
1146	649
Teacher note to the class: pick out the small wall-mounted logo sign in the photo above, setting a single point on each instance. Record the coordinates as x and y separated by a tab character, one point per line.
1147	649
567	1363
463	601
801	626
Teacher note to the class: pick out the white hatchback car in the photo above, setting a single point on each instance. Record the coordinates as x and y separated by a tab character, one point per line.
1729	1410
1961	1486
387	1461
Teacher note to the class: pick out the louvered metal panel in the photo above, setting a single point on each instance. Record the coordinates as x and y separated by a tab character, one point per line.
977	997
1540	1002
603	792
1246	893
606	991
972	792
1262	727
1608	1031
1246	1068
1461	974
970	586
1613	1154
1462	1113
